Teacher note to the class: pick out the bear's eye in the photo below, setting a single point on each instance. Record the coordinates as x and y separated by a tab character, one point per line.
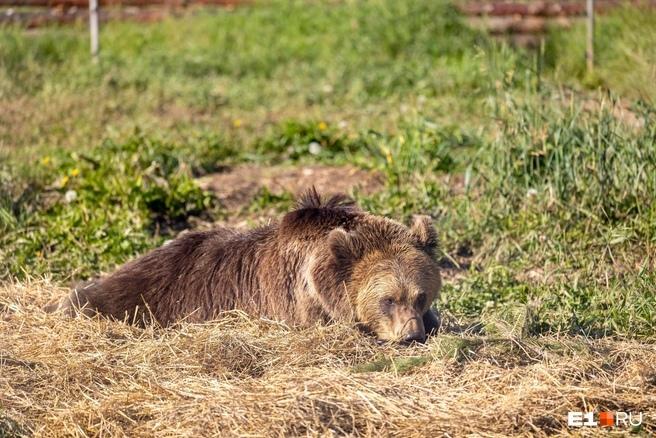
387	304
421	300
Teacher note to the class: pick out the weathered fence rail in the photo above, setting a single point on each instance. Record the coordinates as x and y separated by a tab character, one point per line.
542	8
495	16
112	3
37	13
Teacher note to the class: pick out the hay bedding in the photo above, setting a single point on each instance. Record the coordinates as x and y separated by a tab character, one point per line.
248	377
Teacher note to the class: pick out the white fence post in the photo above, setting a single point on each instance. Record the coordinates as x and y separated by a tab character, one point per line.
93	28
589	53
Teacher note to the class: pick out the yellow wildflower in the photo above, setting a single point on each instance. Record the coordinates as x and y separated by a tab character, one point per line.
322	126
388	155
75	172
237	123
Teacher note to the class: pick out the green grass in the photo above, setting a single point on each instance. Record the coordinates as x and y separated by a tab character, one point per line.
625	49
553	197
246	68
84	211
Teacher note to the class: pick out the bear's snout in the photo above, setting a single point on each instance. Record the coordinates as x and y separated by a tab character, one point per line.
410	326
415	337
413	331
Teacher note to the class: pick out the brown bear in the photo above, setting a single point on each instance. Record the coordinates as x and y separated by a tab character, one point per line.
325	261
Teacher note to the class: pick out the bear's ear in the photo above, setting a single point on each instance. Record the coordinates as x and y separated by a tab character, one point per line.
423	233
344	246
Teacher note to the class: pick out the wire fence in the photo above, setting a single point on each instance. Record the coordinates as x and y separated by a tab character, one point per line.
525	20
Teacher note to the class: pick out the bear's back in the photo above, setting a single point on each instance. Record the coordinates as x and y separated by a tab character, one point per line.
314	218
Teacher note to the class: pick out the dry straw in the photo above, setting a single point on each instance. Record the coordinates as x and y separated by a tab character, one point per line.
248	377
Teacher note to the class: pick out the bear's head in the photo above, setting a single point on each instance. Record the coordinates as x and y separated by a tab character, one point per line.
387	274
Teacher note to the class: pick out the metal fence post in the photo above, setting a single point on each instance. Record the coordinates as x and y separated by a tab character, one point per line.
589	53
93	28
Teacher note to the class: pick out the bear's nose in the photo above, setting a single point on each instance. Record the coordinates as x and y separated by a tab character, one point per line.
414	337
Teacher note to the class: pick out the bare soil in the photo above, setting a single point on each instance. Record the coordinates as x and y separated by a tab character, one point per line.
236	187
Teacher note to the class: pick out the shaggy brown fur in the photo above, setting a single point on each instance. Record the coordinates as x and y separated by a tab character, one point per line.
325	261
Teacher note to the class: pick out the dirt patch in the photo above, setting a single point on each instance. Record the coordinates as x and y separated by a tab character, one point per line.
456	267
236	187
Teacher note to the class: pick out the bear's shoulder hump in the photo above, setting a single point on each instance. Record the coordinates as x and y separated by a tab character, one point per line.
314	213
